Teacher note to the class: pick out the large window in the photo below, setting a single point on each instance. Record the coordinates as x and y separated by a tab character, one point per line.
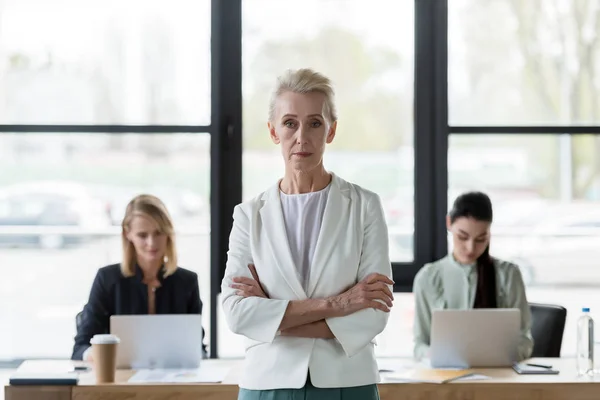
62	200
367	50
523	105
517	62
99	101
105	62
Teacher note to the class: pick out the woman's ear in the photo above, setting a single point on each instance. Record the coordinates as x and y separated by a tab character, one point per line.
273	133
448	222
331	133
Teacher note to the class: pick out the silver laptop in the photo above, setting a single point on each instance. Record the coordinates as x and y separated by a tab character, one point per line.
158	341
475	338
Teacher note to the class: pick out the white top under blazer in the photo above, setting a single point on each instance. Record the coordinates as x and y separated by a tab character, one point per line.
303	216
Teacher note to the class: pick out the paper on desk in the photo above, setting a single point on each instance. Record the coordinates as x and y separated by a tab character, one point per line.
212	374
473	377
434	376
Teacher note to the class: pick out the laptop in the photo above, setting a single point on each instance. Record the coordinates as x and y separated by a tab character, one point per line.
158	341
475	338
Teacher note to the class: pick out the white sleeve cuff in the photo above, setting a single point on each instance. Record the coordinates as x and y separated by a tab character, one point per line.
85	353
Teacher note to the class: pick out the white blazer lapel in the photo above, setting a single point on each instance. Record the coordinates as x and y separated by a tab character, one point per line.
332	225
274	226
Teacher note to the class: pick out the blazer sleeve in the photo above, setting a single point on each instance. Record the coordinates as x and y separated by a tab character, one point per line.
357	330
254	317
422	318
94	318
518	299
195	306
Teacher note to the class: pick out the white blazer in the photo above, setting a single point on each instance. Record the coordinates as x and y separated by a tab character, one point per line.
352	243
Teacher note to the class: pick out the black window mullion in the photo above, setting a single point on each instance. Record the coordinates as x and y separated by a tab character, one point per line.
431	131
226	141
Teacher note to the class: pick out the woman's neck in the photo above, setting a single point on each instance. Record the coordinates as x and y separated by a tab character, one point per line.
149	269
296	182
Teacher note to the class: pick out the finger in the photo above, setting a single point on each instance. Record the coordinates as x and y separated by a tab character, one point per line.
384	279
388	292
378	306
381	296
371	278
253	272
248	281
241	286
375	277
244	280
382	287
249	291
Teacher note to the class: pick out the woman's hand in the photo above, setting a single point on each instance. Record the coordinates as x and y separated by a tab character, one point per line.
249	287
366	294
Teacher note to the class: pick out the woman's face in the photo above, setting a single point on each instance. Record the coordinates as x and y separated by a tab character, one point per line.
149	242
470	238
300	127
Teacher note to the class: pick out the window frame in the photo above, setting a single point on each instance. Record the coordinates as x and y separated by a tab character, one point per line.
533	129
431	137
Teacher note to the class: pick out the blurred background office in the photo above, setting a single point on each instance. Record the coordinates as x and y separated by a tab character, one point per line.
103	99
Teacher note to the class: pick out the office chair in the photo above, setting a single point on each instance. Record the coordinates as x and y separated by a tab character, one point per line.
547	328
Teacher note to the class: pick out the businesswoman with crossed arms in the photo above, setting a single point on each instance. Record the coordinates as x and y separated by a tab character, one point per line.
308	273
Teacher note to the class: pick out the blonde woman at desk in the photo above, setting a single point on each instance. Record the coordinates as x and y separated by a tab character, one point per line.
147	281
308	273
469	277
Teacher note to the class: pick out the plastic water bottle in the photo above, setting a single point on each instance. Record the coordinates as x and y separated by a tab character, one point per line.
585	343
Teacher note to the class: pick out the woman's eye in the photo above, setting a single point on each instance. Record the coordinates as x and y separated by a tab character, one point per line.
464	239
316	124
289	124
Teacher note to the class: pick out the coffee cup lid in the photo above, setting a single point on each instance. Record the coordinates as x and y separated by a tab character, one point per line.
105	339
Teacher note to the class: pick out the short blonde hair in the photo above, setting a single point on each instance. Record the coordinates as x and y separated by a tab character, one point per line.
151	207
305	80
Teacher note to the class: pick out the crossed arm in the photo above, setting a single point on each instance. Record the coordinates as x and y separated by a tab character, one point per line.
306	318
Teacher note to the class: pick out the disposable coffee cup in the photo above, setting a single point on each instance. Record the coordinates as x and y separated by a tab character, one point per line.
104	352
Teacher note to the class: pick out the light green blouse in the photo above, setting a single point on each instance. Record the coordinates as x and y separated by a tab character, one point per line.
446	284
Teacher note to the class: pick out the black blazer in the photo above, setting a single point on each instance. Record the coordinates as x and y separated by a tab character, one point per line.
114	294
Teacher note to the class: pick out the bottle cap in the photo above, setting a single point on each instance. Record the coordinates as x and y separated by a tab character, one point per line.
585	309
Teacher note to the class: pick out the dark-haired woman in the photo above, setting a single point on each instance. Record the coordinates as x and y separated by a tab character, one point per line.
469	277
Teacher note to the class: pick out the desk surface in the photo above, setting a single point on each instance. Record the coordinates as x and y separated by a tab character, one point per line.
504	384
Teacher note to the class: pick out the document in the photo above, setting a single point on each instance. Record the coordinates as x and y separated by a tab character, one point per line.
206	374
434	376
